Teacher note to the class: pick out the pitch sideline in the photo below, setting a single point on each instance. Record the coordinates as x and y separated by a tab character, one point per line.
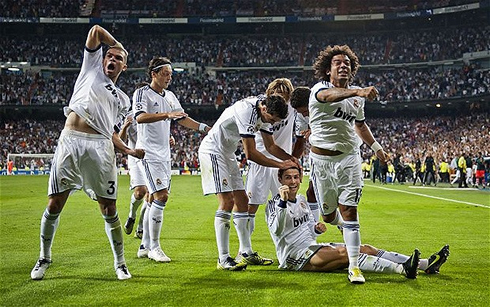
429	196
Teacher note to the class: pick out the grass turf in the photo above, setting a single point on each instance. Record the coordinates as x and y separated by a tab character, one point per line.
393	217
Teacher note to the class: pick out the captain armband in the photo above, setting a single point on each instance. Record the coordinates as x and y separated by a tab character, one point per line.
375	146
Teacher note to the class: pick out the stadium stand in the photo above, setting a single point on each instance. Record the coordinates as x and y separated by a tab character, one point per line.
417	63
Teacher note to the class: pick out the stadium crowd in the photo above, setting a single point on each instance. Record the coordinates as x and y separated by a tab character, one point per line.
212	8
224	88
261	50
406	139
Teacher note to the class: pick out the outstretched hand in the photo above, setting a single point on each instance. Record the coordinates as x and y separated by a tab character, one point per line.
175	115
382	156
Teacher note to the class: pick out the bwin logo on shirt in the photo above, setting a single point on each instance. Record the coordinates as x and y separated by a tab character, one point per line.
283	123
111	89
341	114
301	220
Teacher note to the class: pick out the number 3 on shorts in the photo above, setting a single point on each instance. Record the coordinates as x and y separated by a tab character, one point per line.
112	188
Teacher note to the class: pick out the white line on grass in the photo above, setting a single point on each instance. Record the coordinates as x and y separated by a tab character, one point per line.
447	189
429	196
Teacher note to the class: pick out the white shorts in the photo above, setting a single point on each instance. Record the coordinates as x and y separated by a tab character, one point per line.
298	261
84	160
219	174
157	174
136	176
260	181
336	180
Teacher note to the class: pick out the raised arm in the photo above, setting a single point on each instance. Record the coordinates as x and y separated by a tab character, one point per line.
335	94
98	35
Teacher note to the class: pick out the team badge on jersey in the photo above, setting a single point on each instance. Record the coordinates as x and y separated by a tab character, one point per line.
303	205
325	207
225	182
356	103
159	182
251	129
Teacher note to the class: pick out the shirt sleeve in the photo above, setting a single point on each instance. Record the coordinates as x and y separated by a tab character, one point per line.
139	102
276	216
246	119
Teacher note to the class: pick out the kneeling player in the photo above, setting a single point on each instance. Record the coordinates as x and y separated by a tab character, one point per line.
294	231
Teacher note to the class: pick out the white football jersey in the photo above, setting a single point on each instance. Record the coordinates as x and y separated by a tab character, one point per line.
292	228
283	135
332	123
302	124
239	120
95	97
154	137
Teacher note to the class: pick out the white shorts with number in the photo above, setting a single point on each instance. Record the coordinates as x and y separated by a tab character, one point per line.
84	160
260	181
136	176
157	174
296	261
219	174
336	180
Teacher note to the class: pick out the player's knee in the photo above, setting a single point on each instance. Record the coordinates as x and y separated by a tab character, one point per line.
349	213
162	197
139	192
107	206
369	249
327	218
252	209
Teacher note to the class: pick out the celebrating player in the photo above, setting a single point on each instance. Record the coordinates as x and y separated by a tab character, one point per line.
220	174
261	179
294	231
337	122
85	156
154	107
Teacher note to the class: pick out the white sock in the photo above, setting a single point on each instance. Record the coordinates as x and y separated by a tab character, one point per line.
133	206
222	228
251	223
423	264
370	263
49	224
114	233
240	220
155	221
400	258
315	209
352	239
142	215
145	240
338	220
393	257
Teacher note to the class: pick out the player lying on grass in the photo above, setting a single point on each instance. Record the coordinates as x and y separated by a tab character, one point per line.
294	231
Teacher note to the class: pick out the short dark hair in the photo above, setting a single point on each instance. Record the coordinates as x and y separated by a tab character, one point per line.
300	97
324	61
281	171
276	105
156	64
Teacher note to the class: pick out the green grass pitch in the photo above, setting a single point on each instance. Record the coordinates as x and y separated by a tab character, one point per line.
393	217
